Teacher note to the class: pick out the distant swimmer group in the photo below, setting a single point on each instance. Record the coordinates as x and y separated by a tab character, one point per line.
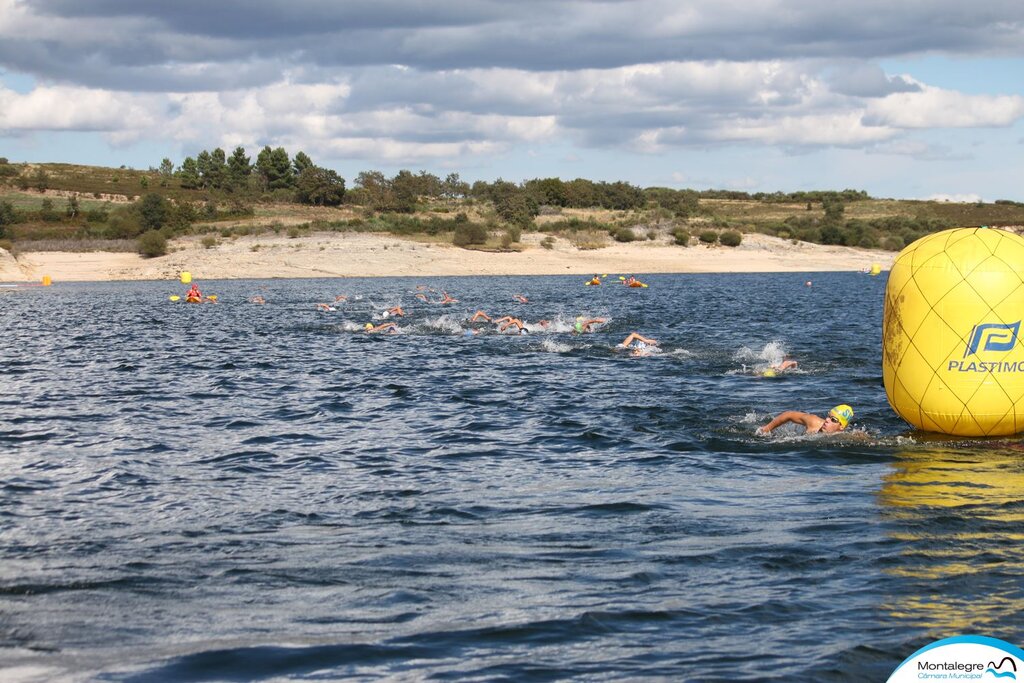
837	419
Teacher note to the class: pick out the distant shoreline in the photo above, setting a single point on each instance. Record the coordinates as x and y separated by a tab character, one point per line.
379	255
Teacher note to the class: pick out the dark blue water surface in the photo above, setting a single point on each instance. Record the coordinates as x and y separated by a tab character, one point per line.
244	492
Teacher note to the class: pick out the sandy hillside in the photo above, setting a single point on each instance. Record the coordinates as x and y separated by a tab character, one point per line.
363	255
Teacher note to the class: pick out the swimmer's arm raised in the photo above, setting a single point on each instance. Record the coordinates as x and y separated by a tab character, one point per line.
805	419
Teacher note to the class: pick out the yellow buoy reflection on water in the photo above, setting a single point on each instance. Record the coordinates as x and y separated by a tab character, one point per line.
952	359
186	277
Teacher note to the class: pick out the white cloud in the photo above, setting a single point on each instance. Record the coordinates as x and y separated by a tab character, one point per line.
938	108
955	198
66	108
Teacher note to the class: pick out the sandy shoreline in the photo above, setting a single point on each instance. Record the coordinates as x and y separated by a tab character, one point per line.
375	255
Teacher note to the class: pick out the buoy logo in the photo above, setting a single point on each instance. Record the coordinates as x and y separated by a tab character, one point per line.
996	336
996	669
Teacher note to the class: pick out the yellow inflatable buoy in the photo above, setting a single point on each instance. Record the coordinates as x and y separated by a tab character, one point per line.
174	297
47	281
186	277
875	269
952	358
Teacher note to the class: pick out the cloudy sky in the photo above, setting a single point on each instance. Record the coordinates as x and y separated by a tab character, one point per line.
910	99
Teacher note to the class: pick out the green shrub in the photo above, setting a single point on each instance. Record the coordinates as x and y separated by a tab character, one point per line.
708	236
469	233
514	233
682	237
47	212
730	238
548	242
209	242
152	243
624	235
892	243
868	242
293	232
652	235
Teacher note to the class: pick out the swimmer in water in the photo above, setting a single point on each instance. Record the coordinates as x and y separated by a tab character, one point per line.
787	363
395	310
257	300
837	420
383	328
480	315
513	322
637	344
325	307
581	325
447	299
340	297
520	298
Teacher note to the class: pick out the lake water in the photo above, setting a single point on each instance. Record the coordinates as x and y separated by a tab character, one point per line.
246	492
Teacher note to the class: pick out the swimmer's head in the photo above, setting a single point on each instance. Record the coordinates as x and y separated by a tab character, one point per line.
384	314
368	326
842	414
769	373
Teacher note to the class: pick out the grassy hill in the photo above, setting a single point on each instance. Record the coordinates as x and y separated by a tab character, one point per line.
72	206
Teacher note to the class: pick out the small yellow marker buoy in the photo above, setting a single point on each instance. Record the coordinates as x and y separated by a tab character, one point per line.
875	269
186	277
47	281
174	297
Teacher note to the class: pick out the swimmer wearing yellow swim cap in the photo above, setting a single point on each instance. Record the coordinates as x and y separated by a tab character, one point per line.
837	420
842	414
